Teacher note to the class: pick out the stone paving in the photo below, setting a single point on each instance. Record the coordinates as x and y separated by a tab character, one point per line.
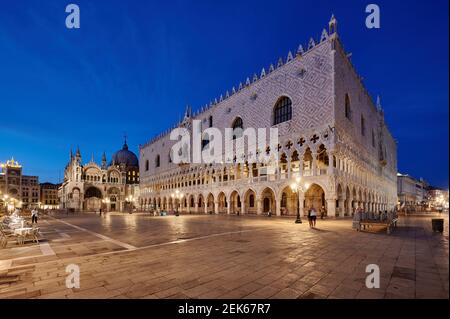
208	256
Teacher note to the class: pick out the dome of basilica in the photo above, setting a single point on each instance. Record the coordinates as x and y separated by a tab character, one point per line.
124	156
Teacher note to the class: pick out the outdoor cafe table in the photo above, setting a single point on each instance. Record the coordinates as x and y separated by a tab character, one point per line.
15	225
23	231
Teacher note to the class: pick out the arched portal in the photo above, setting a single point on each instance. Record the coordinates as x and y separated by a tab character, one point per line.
250	202
288	201
314	197
235	203
92	199
222	203
340	201
210	203
347	208
200	204
268	201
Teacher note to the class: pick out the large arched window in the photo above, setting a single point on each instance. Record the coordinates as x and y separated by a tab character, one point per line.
282	111
238	127
348	111
157	161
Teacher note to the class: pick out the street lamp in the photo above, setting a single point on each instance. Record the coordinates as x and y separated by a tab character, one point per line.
177	196
296	188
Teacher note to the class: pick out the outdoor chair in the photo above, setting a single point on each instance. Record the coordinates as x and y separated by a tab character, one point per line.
5	237
32	235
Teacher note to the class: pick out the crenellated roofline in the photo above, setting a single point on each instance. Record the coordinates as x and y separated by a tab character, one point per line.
250	81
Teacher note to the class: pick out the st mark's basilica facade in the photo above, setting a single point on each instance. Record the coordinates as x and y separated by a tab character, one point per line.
109	186
332	139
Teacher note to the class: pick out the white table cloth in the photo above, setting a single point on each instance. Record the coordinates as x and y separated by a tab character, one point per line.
23	231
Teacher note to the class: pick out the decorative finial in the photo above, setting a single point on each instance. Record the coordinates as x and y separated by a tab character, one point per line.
311	44
324	35
280	62
332	25
289	57
378	102
125	145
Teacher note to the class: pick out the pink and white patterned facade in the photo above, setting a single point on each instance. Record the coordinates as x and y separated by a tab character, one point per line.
336	140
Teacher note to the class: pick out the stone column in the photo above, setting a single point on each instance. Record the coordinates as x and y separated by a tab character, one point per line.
330	169
278	207
216	207
229	206
331	207
301	202
242	207
259	207
314	164
195	207
289	168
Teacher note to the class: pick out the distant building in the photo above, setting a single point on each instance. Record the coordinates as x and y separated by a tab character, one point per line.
438	198
90	187
17	190
49	196
332	138
412	193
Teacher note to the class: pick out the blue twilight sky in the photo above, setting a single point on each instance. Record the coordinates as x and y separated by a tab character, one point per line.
134	65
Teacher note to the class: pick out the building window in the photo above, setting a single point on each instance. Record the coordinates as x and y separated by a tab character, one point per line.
146	165
282	111
157	161
363	126
210	121
238	128
348	111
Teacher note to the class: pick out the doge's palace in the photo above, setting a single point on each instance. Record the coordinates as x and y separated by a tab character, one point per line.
332	141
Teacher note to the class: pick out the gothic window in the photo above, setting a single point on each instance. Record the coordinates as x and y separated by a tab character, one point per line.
146	165
238	127
348	111
282	111
363	126
157	161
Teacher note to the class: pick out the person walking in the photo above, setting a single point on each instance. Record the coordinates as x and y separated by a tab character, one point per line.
309	217
34	216
313	215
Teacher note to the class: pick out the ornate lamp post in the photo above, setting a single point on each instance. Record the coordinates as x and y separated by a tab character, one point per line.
177	196
296	188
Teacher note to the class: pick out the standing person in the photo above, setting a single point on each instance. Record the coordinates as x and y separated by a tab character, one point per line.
309	217
322	212
34	216
313	217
